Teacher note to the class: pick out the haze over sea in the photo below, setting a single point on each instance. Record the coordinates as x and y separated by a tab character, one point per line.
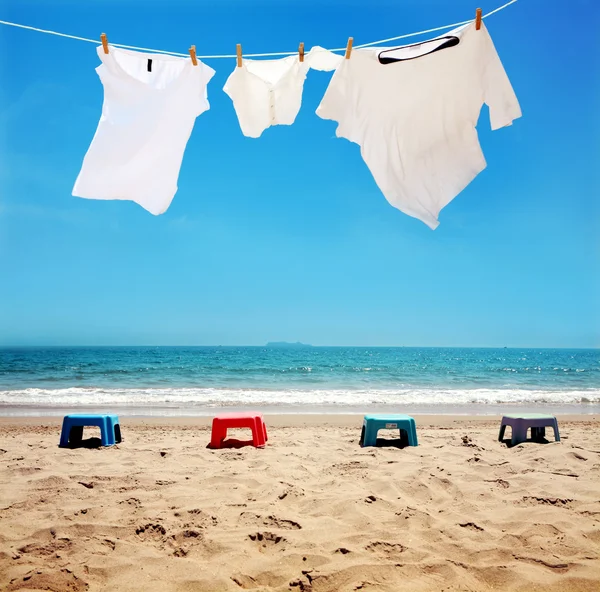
197	380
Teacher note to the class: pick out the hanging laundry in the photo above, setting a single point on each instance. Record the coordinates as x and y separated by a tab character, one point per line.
269	92
413	111
150	104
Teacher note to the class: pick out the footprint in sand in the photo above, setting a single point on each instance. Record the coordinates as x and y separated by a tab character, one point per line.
385	549
272	521
151	531
64	579
132	501
185	541
46	550
202	519
268	541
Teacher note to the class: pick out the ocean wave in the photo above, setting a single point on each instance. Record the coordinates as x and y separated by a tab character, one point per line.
221	397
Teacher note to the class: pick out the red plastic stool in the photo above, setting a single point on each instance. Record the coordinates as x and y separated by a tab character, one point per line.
254	421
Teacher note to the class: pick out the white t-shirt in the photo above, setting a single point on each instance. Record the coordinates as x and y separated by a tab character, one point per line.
413	111
269	92
150	104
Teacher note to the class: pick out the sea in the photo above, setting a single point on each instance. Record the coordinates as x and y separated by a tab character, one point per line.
151	381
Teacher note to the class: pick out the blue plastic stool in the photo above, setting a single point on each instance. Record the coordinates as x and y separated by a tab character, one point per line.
72	429
520	423
373	423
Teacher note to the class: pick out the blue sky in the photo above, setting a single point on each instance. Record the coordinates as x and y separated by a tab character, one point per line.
287	237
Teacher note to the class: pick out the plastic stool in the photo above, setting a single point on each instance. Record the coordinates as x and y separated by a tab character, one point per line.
72	429
254	421
522	422
373	423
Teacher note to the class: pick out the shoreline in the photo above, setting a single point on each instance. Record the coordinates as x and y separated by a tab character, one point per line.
308	420
170	411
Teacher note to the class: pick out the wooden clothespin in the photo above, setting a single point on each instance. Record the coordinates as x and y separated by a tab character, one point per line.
301	51
478	19
349	47
192	51
238	51
104	40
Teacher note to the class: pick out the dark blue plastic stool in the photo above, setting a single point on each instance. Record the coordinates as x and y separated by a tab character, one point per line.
373	423
72	429
521	422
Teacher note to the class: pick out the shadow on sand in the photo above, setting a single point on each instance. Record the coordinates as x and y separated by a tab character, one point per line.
85	443
507	441
233	443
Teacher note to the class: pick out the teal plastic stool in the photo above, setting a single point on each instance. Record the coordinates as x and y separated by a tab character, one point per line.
373	423
72	429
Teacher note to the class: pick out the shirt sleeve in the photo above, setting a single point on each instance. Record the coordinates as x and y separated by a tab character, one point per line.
319	58
229	85
498	94
203	75
207	74
335	98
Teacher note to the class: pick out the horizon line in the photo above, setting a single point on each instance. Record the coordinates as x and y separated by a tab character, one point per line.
299	345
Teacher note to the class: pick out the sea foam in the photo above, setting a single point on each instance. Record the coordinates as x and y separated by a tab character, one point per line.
221	397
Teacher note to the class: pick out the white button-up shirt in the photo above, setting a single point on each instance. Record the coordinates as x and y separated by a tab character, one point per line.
269	92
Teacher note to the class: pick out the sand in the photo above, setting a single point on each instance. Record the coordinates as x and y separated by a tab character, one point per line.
311	512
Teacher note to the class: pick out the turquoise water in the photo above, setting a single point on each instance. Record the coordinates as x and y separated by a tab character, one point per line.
190	379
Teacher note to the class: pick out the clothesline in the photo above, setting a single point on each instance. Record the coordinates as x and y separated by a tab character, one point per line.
252	55
417	133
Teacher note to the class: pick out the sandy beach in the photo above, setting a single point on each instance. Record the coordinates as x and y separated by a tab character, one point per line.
311	512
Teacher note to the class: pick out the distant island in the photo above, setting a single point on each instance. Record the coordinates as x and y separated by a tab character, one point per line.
287	344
